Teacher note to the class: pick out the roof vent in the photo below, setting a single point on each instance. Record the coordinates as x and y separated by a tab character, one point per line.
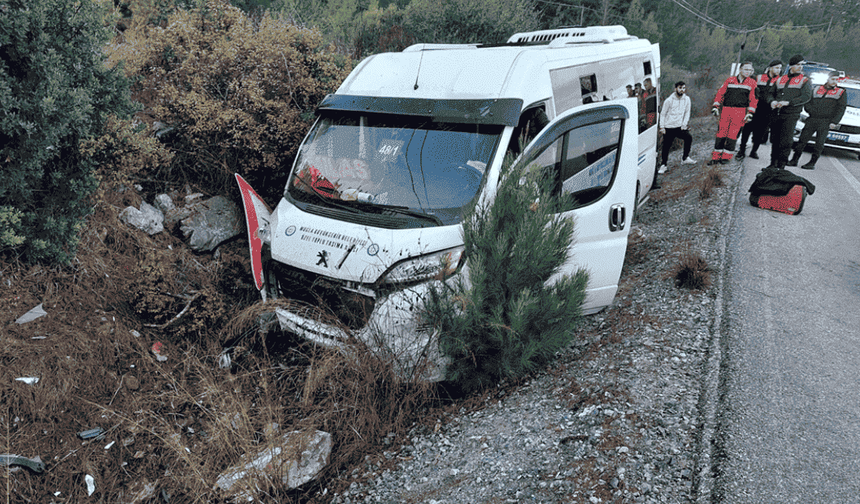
561	36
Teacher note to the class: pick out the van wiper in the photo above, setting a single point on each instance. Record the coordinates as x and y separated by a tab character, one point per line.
401	210
325	200
404	210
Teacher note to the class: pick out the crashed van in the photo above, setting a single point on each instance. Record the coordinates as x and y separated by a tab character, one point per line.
371	213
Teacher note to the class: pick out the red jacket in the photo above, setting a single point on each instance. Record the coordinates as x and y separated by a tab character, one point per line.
827	104
737	93
795	90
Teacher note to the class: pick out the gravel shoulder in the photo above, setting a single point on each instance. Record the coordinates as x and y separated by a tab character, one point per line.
624	414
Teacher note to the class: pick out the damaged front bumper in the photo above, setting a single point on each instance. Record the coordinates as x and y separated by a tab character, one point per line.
340	314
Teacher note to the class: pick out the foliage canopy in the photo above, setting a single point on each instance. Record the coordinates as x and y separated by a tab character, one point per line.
56	92
505	321
229	94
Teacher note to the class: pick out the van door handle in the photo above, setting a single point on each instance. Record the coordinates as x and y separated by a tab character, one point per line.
617	216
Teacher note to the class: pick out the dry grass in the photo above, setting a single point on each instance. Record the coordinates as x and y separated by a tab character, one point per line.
711	179
692	272
172	426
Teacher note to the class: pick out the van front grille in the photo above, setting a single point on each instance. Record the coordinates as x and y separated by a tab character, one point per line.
332	300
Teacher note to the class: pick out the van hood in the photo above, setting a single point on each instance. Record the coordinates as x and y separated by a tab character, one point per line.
348	251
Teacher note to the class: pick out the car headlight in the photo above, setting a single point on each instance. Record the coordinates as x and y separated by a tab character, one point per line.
438	265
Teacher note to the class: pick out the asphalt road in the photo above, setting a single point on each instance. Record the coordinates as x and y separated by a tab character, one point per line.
788	415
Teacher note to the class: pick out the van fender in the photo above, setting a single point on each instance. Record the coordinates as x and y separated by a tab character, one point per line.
257	216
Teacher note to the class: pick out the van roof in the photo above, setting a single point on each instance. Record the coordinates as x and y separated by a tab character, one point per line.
475	71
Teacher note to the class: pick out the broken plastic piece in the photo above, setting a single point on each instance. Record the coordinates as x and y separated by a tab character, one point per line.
29	380
34	464
97	433
32	315
157	348
91	484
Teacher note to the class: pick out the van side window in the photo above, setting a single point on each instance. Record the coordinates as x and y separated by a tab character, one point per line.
532	121
588	88
582	162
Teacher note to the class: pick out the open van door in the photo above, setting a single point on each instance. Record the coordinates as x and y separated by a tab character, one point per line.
592	151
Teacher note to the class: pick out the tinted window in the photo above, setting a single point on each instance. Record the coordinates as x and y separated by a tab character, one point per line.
582	162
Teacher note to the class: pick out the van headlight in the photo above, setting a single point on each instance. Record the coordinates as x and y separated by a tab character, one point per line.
435	266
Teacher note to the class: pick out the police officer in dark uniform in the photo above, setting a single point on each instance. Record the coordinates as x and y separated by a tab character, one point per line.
760	123
825	110
790	93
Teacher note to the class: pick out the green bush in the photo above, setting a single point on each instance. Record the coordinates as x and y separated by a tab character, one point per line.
505	322
55	91
381	30
229	94
469	21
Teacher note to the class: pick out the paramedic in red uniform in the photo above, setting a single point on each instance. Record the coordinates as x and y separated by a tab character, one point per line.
648	105
760	123
790	93
825	110
738	100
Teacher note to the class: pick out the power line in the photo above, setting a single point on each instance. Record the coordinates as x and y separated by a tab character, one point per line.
692	10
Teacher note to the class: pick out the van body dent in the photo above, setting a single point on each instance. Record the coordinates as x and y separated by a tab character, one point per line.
372	211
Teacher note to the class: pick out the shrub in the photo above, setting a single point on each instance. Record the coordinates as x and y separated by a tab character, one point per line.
506	321
692	272
55	92
469	21
229	94
711	179
381	30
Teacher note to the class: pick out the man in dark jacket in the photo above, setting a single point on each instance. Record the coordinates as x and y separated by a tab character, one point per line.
790	93
825	110
760	123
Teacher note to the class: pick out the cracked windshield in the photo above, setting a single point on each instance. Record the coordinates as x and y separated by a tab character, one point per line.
393	165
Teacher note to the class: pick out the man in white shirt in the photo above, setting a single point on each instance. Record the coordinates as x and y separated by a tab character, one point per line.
674	119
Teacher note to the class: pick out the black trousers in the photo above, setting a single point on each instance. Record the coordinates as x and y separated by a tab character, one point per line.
781	138
817	127
758	127
669	138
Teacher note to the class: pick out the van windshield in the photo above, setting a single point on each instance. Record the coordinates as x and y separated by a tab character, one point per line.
375	163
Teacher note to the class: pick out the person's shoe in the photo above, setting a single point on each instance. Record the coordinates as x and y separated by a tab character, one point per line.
663	169
794	159
809	166
754	154
725	161
688	160
741	152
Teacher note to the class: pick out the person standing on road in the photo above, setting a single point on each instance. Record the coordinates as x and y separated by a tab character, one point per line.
738	101
674	119
825	110
760	123
790	93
